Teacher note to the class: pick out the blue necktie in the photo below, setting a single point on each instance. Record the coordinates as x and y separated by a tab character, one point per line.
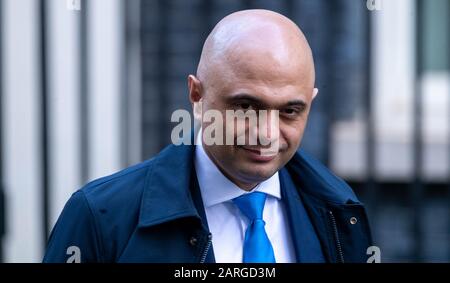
257	246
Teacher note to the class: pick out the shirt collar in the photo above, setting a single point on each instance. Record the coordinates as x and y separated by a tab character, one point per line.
216	188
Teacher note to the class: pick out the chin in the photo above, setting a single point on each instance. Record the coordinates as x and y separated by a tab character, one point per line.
257	172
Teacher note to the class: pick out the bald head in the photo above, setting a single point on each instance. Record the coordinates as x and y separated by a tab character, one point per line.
258	44
254	60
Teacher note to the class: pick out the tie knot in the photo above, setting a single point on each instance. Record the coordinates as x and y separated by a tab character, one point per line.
251	205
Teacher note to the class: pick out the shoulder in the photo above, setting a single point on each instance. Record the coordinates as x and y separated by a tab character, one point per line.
111	206
88	225
101	217
116	189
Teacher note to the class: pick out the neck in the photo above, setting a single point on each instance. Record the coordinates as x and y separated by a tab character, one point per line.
244	186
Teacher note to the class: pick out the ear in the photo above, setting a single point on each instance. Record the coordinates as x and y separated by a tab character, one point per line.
195	89
315	92
195	96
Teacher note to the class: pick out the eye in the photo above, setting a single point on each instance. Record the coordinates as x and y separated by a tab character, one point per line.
290	111
245	106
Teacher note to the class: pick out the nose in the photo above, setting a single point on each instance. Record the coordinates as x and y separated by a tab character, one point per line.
268	127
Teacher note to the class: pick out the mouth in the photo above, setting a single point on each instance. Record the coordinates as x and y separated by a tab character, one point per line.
259	154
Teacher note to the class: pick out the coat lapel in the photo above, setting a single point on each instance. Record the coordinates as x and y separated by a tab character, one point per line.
306	242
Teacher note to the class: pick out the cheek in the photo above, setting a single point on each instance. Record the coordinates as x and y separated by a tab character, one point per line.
292	134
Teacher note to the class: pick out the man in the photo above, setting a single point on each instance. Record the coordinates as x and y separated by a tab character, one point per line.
226	203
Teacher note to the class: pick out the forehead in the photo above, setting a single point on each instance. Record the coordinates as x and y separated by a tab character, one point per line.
264	69
263	75
271	66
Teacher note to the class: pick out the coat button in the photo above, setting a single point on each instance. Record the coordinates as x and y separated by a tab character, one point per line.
353	220
193	241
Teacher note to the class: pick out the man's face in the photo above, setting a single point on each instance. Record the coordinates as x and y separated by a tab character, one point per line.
258	85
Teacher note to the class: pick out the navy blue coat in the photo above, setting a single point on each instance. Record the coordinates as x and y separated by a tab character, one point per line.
152	212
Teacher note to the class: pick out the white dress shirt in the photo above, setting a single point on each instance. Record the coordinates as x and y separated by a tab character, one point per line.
227	224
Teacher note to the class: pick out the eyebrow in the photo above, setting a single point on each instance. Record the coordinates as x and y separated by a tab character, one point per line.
255	100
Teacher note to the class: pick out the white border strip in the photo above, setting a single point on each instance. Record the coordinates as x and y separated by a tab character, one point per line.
21	123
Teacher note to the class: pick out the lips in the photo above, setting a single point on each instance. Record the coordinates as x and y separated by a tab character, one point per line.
259	154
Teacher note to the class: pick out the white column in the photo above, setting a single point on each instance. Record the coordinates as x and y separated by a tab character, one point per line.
21	125
393	65
64	112
105	86
436	98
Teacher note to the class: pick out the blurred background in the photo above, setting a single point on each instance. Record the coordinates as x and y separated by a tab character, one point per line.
87	87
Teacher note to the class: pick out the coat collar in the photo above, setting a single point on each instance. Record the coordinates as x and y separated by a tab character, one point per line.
318	181
166	197
166	193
